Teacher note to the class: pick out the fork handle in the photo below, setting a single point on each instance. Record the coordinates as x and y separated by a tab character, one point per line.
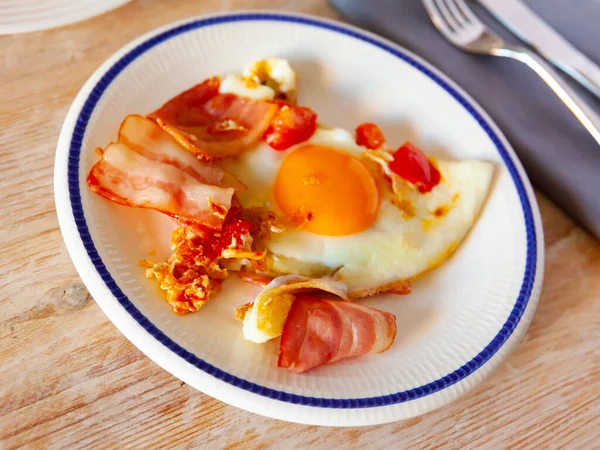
588	118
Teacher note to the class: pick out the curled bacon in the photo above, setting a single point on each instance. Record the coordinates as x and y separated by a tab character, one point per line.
187	108
146	168
319	331
213	125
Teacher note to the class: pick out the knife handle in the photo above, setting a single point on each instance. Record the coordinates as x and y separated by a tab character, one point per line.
586	116
518	17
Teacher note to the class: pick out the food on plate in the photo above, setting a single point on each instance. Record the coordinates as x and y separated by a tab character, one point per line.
264	318
213	125
357	220
266	79
197	267
369	135
317	216
319	331
146	168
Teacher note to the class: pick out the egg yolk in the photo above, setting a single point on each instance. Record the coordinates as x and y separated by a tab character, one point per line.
332	193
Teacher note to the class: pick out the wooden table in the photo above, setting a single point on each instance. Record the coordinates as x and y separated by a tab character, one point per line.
69	379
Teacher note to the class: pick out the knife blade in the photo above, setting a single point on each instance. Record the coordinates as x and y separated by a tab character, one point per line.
524	22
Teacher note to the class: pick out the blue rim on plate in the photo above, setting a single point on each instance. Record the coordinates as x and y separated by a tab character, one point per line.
399	397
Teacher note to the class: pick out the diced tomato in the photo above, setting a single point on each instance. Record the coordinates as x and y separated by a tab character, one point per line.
215	243
412	165
369	135
291	125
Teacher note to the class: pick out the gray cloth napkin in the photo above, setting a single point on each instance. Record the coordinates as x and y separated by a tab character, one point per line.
560	157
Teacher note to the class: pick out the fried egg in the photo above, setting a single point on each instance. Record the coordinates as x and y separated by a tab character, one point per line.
360	228
399	245
360	231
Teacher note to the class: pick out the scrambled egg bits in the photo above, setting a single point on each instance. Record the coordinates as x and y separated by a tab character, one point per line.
197	267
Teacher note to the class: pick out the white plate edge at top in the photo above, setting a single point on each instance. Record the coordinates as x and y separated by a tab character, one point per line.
33	24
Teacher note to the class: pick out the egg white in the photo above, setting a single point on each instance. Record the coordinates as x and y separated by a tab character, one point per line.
398	246
235	84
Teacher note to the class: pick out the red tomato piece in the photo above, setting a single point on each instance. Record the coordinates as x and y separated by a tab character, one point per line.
369	135
414	166
216	242
291	125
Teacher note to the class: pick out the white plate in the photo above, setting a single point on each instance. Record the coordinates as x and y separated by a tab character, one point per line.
21	16
461	320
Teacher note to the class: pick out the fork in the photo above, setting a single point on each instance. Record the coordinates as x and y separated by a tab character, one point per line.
457	23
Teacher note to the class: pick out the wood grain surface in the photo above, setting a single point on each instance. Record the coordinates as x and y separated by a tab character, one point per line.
69	379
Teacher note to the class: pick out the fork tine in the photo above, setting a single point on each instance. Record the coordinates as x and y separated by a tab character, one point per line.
447	16
436	17
460	17
467	12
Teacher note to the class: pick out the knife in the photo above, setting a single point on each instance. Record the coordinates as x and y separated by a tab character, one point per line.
523	22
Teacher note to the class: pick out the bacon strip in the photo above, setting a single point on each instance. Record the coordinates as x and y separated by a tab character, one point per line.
213	125
319	331
146	168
